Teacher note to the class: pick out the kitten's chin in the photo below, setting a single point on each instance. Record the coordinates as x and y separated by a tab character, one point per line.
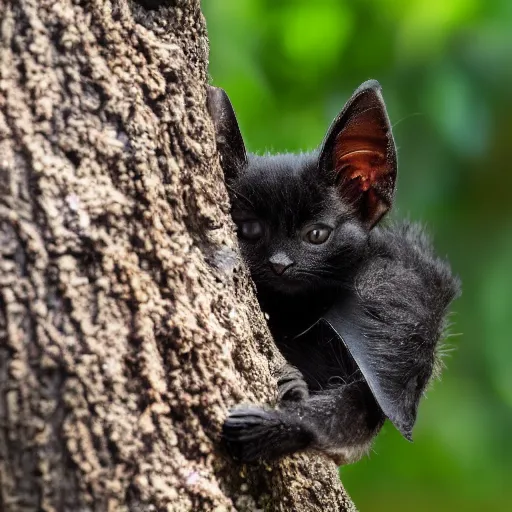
291	286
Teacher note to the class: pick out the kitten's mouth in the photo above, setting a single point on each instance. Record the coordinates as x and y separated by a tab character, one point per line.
286	283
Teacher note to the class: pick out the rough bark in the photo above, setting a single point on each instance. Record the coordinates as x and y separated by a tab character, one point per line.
128	326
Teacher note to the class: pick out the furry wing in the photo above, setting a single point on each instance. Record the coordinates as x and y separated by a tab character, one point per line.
393	322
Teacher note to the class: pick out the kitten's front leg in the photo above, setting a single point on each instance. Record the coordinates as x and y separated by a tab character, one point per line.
251	433
340	422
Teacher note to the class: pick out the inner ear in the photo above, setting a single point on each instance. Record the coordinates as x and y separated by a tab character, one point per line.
359	153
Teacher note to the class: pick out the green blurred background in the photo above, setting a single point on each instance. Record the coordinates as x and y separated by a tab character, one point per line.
446	71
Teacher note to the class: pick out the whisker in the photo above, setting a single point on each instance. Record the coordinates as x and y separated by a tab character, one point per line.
405	118
239	195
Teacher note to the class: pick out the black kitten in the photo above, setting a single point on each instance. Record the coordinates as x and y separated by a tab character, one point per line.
357	310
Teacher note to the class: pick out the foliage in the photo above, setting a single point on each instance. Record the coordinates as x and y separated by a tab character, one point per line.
446	70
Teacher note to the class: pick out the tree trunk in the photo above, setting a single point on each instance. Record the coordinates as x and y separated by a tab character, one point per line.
128	326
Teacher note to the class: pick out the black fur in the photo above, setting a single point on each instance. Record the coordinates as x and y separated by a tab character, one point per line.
359	316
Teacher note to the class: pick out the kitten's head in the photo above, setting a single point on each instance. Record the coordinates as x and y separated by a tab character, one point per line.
303	220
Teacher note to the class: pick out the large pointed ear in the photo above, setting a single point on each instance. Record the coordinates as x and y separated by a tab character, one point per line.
230	144
359	152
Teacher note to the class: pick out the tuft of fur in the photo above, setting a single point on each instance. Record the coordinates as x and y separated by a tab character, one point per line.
428	285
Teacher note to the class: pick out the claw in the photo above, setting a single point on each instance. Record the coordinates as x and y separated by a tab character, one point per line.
291	385
251	433
247	432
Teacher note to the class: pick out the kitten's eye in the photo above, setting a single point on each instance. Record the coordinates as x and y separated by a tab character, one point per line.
317	235
250	229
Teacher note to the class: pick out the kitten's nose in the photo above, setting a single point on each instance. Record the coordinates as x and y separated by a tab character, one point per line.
279	262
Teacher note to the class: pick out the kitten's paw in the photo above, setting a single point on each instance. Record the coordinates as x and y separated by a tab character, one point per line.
248	433
291	385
